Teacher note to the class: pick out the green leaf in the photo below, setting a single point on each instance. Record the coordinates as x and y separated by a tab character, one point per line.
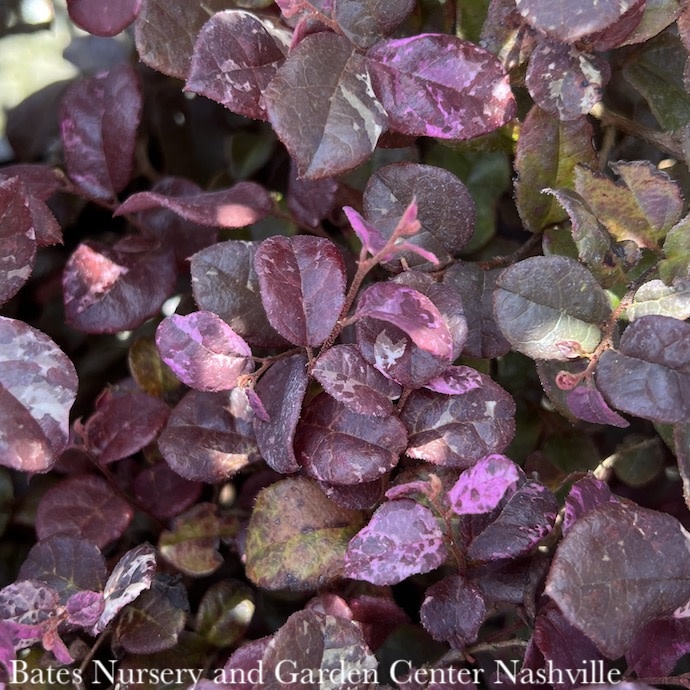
677	252
608	260
192	545
297	537
554	323
643	207
657	73
470	17
658	14
225	612
547	152
656	298
638	460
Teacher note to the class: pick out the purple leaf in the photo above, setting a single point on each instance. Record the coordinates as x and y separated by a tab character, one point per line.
38	385
111	289
550	630
256	405
621	544
235	57
564	81
453	611
103	18
459	430
224	281
208	438
302	283
535	320
151	624
524	519
585	495
455	380
658	647
364	22
462	96
648	375
323	108
203	351
378	615
7	651
482	486
244	663
338	446
242	204
185	236
160	489
368	235
165	33
402	539
99	117
587	403
326	645
18	237
310	201
412	312
484	337
84	608
132	575
67	564
556	19
446	210
297	537
363	496
281	390
83	506
123	424
350	379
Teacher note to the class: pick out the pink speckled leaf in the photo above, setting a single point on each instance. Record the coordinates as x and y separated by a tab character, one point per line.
566	21
455	380
123	424
38	386
235	57
461	96
242	204
564	81
523	519
302	281
83	506
17	236
585	495
203	351
323	108
482	486
110	289
412	312
209	437
281	390
84	608
99	117
458	430
103	18
350	379
28	605
132	575
338	446
587	403
402	539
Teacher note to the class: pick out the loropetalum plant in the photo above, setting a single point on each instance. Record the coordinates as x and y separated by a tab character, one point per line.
367	437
